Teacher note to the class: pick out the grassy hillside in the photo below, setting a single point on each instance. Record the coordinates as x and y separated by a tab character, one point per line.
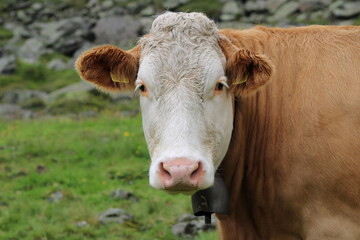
85	160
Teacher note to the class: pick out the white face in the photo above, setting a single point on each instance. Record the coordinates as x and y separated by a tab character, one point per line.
187	117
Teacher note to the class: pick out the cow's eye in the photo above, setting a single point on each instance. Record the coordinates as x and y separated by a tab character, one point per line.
142	88
219	86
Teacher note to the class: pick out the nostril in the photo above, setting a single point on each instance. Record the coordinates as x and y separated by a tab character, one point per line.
196	172
163	172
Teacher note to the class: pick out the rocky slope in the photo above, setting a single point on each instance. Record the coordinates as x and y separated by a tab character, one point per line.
60	30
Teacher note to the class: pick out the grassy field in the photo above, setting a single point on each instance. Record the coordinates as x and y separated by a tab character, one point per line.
84	159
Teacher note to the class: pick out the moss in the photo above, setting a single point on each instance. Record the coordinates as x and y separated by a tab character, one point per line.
211	8
5	35
357	21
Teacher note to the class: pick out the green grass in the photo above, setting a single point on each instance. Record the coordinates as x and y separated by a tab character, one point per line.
37	76
85	159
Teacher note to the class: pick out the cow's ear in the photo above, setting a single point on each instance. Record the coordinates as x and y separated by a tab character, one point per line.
109	67
246	70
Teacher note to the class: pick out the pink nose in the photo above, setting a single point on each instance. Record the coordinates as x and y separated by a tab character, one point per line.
180	174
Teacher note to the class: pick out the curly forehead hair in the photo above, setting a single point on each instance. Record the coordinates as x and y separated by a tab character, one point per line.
190	29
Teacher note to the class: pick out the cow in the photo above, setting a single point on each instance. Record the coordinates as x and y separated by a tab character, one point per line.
275	111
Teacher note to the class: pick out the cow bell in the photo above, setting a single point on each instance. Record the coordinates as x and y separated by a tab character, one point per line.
211	200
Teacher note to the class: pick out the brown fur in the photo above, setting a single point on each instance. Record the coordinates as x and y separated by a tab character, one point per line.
96	64
293	165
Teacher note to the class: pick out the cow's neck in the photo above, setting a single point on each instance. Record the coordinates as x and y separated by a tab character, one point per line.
245	166
248	165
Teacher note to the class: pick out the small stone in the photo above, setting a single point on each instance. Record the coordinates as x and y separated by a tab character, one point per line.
82	224
7	64
123	195
55	197
41	169
116	215
187	225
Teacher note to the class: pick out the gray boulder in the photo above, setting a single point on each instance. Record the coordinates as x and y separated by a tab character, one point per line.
11	112
188	226
273	5
67	35
114	215
313	5
231	10
256	6
343	9
7	64
23	96
122	31
57	64
284	11
171	4
31	50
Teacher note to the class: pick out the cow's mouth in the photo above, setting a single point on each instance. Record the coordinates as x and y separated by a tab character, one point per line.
181	191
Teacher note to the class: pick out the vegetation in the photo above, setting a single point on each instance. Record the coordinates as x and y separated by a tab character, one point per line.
85	160
37	76
211	8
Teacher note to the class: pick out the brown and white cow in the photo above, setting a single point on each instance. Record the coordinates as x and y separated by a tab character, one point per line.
277	110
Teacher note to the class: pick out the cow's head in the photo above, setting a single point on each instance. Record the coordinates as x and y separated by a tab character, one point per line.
186	74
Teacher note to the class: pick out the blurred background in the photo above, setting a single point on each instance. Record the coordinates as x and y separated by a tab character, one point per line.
73	161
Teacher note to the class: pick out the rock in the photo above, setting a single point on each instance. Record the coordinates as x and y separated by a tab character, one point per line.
346	10
231	11
115	215
313	5
82	224
67	35
7	64
187	226
11	112
41	169
273	5
285	11
257	18
23	96
57	64
31	50
107	4
55	197
123	195
320	15
171	4
122	31
148	11
81	86
88	114
256	6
